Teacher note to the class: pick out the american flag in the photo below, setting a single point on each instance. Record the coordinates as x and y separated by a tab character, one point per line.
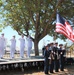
63	27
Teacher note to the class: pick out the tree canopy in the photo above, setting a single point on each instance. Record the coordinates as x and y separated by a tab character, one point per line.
36	16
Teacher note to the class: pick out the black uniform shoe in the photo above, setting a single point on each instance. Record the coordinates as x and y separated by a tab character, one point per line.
51	72
47	74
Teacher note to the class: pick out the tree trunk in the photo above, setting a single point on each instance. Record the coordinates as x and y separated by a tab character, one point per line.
36	48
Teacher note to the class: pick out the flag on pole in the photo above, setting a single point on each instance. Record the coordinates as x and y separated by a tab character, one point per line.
63	27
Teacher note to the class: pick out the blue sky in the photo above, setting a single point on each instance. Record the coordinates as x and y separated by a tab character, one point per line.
9	32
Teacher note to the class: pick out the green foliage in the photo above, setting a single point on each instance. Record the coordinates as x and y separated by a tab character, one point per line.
36	16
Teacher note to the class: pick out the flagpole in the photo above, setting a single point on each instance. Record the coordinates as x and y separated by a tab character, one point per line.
54	37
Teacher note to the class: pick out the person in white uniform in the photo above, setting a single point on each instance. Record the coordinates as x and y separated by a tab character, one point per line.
22	46
29	45
12	47
2	45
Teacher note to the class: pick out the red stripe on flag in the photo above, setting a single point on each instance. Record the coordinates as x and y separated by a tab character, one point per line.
63	27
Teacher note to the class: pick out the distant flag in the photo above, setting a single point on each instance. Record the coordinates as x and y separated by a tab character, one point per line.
63	27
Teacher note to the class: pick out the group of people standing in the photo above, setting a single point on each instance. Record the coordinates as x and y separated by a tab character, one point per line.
54	57
13	46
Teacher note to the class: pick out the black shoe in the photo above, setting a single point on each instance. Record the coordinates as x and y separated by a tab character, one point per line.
51	72
12	57
47	74
56	71
2	58
62	70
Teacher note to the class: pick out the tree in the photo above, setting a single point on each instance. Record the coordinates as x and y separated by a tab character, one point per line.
35	16
1	20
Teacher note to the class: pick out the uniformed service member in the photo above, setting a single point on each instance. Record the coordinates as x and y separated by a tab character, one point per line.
12	47
22	46
46	60
61	53
29	46
43	50
2	45
56	57
51	58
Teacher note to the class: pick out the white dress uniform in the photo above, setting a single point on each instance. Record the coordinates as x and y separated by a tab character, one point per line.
2	46
29	45
22	46
12	47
